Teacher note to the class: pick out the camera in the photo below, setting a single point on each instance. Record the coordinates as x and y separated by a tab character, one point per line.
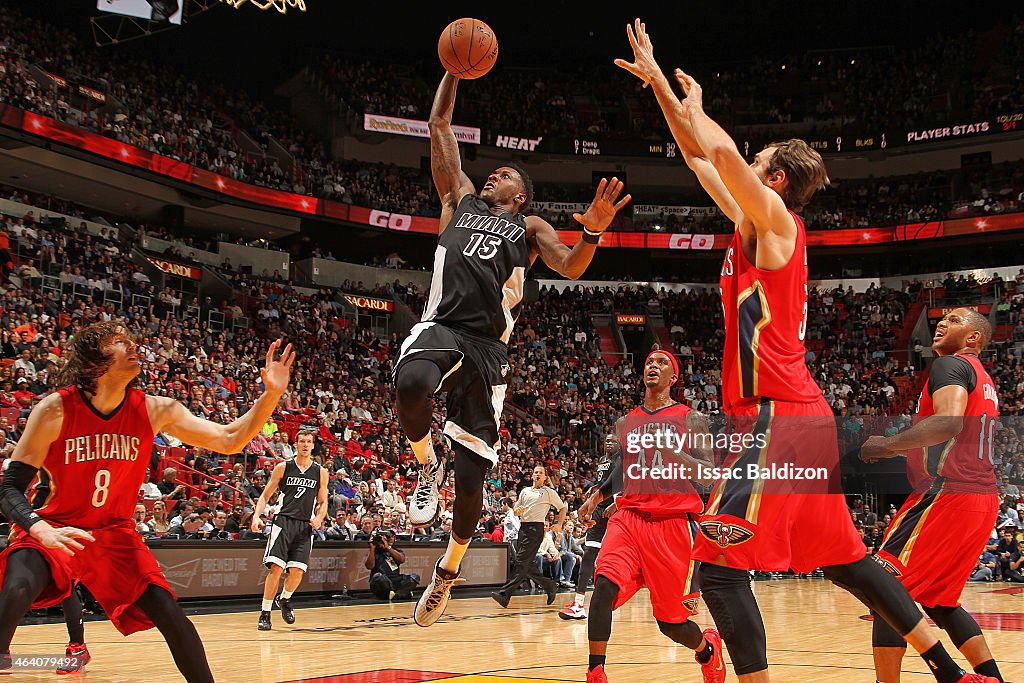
378	536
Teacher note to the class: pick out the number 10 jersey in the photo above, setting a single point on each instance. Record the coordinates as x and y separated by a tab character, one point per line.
479	271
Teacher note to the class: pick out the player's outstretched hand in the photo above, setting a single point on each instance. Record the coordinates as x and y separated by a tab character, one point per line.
65	538
643	65
257	525
875	449
317	523
276	373
691	88
610	510
606	204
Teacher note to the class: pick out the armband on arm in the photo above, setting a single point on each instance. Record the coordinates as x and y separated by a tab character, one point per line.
13	503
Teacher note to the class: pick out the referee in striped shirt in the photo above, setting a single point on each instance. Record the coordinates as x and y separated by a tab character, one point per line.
531	508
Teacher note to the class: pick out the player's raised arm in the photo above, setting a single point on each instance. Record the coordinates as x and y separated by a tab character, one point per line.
445	163
572	263
42	429
268	492
646	68
167	415
762	206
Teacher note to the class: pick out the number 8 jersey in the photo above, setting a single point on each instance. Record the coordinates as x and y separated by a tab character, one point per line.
765	324
964	463
98	463
479	271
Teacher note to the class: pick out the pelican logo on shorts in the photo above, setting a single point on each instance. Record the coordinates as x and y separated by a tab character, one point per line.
690	604
725	535
887	565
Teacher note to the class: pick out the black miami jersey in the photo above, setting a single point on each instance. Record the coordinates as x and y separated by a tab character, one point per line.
479	271
299	489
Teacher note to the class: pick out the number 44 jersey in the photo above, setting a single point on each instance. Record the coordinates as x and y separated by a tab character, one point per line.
765	325
98	463
479	271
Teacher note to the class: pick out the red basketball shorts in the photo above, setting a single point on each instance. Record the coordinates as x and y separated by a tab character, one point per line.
933	543
638	551
790	514
116	569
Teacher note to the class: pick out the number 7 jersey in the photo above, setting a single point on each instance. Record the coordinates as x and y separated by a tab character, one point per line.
479	271
765	324
98	463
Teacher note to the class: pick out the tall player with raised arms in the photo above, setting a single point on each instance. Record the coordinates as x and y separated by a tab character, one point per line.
93	438
754	524
485	246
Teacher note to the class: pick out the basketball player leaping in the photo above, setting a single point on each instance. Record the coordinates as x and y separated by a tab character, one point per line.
649	539
934	541
93	438
484	249
303	484
764	524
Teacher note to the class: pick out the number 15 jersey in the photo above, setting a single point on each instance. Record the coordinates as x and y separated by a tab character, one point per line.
479	271
765	324
98	463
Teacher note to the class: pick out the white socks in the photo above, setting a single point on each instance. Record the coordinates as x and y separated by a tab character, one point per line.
286	594
453	555
268	605
579	600
423	450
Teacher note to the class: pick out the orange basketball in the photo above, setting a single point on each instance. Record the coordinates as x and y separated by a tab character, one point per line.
467	48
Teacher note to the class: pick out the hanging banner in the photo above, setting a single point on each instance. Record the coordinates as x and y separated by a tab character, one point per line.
178	269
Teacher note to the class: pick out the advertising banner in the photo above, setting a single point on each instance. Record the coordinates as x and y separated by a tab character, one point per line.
235	568
178	269
377	123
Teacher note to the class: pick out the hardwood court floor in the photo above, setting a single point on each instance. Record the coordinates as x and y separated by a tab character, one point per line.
815	633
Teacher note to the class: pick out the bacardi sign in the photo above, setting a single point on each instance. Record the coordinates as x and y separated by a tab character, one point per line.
177	269
369	303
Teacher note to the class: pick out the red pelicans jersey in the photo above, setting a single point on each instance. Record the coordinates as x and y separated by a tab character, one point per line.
765	324
648	441
964	463
97	464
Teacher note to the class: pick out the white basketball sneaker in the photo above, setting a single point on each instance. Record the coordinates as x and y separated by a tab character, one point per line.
573	611
425	507
435	597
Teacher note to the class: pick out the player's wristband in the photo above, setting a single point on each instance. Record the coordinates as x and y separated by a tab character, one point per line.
591	237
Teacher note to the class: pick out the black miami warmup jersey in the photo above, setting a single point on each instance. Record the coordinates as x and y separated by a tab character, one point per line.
298	491
479	271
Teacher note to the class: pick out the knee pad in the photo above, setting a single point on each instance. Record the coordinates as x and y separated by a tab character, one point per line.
732	605
602	603
883	635
955	621
687	634
882	592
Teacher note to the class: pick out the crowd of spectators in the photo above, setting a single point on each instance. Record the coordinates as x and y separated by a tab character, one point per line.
564	395
223	129
855	91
